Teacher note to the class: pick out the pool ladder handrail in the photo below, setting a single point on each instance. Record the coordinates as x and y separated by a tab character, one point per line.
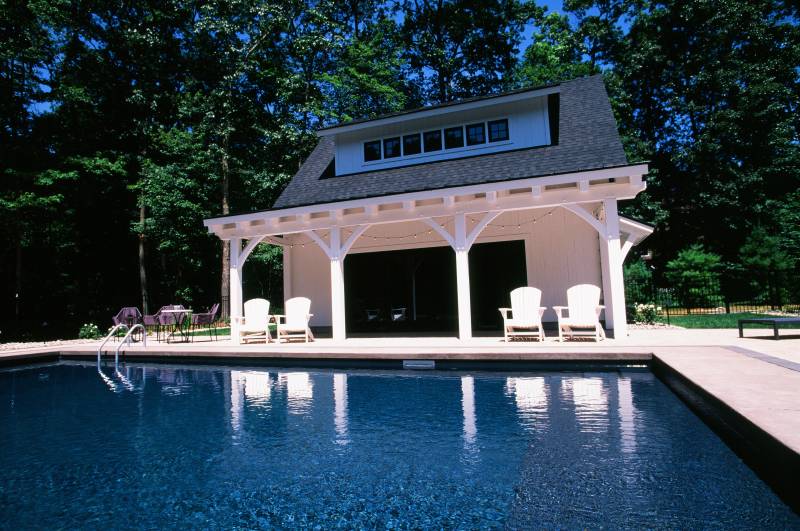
109	336
128	339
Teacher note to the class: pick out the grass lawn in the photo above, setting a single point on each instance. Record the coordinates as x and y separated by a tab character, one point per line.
717	320
225	331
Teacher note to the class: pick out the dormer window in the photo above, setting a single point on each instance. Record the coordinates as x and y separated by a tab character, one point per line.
426	143
454	137
476	134
372	150
411	145
433	141
498	130
391	147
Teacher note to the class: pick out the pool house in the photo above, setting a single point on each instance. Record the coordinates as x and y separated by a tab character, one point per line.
422	221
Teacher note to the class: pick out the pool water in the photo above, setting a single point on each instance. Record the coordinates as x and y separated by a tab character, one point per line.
215	447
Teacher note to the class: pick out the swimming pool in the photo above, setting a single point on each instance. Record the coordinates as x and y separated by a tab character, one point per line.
217	447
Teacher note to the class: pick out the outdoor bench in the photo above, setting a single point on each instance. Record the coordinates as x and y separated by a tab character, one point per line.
775	322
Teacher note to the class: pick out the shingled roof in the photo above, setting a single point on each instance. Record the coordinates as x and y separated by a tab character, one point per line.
588	140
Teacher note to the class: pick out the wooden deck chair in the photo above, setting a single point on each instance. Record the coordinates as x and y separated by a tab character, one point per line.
294	325
526	314
583	304
255	323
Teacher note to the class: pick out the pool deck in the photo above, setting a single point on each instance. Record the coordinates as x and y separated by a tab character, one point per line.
756	377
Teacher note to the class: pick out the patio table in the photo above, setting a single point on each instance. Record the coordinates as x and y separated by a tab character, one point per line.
183	319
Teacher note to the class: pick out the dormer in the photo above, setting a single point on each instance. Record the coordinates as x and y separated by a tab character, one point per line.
514	120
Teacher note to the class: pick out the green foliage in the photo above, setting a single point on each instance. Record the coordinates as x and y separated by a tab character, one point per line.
722	320
123	125
695	275
647	313
89	331
555	54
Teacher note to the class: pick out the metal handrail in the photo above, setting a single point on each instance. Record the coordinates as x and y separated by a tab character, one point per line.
127	338
109	336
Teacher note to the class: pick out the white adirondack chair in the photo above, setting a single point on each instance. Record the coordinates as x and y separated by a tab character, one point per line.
583	303
255	323
526	314
294	325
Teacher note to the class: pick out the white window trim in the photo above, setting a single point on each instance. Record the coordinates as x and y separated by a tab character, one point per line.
423	154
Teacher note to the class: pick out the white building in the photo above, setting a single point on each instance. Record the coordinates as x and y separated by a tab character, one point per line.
537	172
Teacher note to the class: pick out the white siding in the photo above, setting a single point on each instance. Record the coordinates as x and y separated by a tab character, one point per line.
561	250
527	123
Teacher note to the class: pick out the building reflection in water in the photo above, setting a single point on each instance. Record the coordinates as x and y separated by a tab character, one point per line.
627	414
340	408
468	408
299	391
252	387
590	399
530	395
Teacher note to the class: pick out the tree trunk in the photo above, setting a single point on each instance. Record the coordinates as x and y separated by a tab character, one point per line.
142	266
225	284
17	280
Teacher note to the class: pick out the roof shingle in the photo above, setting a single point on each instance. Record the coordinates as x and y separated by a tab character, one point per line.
588	140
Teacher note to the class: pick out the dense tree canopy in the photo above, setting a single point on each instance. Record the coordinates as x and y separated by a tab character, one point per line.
124	124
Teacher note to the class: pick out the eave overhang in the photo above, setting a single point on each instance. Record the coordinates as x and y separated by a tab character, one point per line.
623	182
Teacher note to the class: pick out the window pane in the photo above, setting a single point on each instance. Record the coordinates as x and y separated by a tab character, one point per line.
391	147
411	144
454	137
372	150
433	141
498	130
475	134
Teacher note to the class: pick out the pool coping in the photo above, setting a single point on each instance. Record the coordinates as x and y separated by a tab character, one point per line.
775	457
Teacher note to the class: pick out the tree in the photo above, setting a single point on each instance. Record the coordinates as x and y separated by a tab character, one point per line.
695	275
461	48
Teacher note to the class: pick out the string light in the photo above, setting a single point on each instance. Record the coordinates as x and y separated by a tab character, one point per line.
429	232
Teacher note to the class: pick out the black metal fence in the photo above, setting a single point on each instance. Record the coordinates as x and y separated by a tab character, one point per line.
717	293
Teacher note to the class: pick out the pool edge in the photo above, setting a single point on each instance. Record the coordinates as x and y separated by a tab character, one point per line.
774	462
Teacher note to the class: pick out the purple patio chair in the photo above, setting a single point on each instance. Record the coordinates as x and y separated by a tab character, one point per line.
208	319
129	316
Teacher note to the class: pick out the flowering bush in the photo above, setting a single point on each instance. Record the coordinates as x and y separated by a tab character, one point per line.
89	331
647	313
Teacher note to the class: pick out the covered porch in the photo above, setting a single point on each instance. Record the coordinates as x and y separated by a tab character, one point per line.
567	227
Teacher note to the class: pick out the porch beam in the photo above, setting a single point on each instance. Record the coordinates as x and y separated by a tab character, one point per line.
357	232
476	231
441	231
619	190
251	244
626	247
558	197
586	216
327	249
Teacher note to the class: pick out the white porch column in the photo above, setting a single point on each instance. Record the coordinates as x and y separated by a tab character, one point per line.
611	265
462	278
287	272
235	298
337	285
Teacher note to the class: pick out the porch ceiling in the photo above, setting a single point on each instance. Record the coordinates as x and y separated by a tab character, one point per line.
569	189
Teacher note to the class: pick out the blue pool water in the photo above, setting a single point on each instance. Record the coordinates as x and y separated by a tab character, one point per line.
219	448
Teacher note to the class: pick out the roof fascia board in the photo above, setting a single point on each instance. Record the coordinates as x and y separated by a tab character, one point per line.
456	107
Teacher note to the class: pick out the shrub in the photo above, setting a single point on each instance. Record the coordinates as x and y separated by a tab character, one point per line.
694	274
89	331
646	313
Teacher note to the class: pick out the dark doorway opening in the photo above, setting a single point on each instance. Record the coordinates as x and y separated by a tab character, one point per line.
413	291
